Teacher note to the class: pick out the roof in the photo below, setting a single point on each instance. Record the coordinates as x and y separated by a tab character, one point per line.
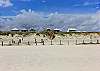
23	29
56	29
48	28
15	29
72	29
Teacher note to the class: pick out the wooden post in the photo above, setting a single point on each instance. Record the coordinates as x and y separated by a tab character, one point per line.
9	43
36	41
22	38
28	43
12	41
60	42
2	43
51	42
83	42
97	41
42	41
68	42
76	42
18	42
12	35
90	39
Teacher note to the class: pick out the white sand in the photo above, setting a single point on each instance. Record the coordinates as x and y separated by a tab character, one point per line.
66	57
50	58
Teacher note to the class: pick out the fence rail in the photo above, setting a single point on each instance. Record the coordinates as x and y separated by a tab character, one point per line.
36	42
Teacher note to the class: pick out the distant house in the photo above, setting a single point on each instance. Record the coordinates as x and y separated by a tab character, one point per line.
48	29
72	30
24	30
15	30
57	30
32	30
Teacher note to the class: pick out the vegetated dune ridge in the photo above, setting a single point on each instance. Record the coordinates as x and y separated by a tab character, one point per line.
66	39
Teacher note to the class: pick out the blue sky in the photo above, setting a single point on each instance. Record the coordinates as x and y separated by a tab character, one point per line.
13	7
81	14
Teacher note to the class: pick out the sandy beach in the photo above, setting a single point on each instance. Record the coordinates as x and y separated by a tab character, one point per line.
49	35
50	58
65	53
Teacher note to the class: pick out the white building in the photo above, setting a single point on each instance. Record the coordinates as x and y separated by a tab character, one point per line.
23	30
15	30
72	30
57	30
19	30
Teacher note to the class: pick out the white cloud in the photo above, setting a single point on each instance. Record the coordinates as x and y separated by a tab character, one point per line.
25	0
85	22
5	3
86	4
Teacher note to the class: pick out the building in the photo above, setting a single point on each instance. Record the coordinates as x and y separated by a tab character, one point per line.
48	29
15	30
32	30
23	30
72	30
57	30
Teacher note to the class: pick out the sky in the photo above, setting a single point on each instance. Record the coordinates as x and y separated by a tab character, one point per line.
39	14
13	7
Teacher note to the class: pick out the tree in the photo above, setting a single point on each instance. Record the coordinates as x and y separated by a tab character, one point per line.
51	36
